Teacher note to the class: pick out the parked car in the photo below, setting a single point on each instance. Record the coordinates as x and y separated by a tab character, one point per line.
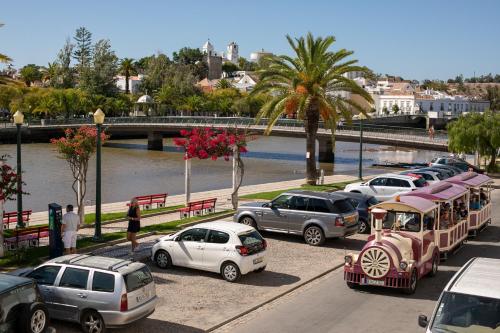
362	202
454	170
470	302
442	172
21	306
314	215
386	186
464	166
430	177
97	292
227	248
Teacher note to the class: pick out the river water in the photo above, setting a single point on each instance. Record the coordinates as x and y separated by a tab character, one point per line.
129	169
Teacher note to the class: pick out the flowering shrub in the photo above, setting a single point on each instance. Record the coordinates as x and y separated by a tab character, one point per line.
76	147
8	181
206	143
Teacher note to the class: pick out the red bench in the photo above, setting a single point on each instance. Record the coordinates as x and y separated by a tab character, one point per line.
147	201
11	217
31	236
198	207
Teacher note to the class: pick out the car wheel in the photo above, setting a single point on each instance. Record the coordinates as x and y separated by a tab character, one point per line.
435	264
413	283
92	322
162	259
260	270
314	236
364	227
34	319
248	220
352	285
230	272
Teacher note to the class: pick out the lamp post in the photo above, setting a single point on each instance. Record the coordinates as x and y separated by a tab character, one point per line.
360	171
98	120
18	120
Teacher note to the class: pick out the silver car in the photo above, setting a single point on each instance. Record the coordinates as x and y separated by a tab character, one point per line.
97	292
315	215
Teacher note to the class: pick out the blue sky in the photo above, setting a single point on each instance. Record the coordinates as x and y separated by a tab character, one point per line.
414	39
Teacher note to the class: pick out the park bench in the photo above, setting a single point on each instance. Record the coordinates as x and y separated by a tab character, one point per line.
29	236
147	201
198	207
11	217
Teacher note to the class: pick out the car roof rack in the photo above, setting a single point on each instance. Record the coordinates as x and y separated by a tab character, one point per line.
72	260
119	264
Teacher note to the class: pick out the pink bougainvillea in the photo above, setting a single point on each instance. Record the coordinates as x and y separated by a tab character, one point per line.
204	143
8	181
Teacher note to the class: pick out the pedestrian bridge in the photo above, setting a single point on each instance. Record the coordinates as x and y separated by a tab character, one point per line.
157	127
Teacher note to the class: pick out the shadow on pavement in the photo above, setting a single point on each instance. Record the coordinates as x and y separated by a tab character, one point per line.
142	326
336	243
268	279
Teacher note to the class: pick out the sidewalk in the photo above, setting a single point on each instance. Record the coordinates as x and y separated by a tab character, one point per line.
223	199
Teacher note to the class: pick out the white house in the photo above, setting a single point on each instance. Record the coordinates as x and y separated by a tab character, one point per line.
438	104
245	81
133	82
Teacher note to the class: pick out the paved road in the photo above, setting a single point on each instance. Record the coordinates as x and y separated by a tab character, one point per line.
329	306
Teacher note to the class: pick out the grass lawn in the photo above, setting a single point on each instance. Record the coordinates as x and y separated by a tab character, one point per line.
90	218
33	255
273	194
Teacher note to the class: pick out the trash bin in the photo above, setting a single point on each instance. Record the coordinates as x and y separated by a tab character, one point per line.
56	247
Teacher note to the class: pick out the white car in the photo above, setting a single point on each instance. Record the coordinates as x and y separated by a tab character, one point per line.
231	249
384	187
430	176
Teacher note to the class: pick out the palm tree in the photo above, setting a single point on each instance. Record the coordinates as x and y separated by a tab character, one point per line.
49	73
223	84
310	86
127	68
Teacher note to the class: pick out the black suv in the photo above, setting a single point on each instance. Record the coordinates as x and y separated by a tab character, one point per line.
21	306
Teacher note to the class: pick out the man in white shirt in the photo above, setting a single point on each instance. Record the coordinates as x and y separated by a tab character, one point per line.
69	229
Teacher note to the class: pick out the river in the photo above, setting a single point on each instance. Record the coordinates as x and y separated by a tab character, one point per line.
129	169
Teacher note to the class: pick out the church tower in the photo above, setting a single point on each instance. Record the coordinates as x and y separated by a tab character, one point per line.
232	53
208	48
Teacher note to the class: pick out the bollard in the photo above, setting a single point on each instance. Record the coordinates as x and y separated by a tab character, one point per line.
322	177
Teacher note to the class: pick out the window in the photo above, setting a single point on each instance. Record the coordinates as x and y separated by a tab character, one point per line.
74	278
218	237
354	202
282	201
372	201
426	176
378	182
420	182
194	235
45	275
299	203
402	221
432	107
138	279
343	206
394	182
318	205
103	282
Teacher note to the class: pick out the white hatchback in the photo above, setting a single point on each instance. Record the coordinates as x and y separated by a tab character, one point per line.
384	187
231	249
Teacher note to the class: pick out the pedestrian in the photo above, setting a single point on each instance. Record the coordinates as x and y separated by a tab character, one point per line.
431	132
134	223
69	230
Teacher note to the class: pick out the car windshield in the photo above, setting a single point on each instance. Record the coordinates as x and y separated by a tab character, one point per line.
138	279
342	206
420	182
404	221
250	238
466	313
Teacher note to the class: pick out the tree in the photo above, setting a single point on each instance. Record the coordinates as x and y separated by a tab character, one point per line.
223	84
65	73
395	109
127	68
156	72
309	85
493	96
83	49
187	56
246	65
385	110
476	132
229	68
76	147
204	143
30	73
8	190
49	73
99	78
4	58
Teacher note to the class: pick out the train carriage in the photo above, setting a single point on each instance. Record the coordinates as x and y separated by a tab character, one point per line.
453	227
479	187
401	249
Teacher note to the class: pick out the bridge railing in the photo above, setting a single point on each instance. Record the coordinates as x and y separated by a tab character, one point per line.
382	131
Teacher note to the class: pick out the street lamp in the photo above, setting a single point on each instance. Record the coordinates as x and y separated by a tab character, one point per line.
98	120
18	120
360	171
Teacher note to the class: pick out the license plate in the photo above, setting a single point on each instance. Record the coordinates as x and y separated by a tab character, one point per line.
374	282
141	298
258	260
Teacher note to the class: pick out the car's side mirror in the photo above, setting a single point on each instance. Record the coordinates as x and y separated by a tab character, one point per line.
177	239
266	205
423	321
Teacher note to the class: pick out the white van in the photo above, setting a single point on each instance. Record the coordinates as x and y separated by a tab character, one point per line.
470	302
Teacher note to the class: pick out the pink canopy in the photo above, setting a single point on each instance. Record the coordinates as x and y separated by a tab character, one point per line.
470	179
441	191
418	203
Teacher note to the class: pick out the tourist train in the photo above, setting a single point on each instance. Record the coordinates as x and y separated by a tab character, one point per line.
411	233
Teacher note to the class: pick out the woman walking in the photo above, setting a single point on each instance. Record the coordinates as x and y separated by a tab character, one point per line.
134	223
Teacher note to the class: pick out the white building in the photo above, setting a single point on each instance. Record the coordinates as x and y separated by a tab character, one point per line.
244	81
256	56
133	82
232	53
440	105
208	48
